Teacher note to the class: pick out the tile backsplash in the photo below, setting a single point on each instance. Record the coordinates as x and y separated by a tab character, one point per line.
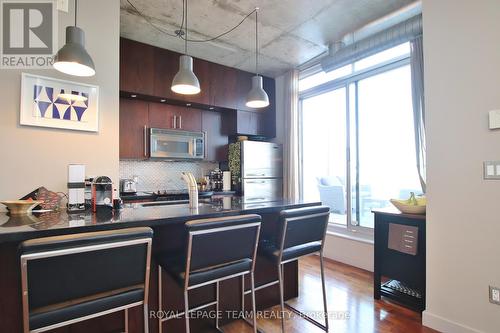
163	175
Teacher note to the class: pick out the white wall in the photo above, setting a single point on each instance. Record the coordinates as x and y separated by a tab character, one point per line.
462	82
352	252
32	157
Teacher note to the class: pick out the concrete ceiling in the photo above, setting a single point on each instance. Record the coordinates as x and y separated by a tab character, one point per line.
291	32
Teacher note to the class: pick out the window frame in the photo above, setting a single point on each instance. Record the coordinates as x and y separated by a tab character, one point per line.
349	230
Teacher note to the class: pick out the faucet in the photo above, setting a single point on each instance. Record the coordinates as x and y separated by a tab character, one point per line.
192	189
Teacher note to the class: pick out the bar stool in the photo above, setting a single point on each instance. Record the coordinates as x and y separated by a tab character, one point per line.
71	278
217	249
302	233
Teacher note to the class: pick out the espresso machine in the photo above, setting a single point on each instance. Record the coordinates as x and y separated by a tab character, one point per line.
102	193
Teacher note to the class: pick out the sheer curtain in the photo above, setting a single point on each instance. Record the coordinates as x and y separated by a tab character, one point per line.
291	136
417	78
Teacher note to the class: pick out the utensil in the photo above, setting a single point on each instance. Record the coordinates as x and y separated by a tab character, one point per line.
21	207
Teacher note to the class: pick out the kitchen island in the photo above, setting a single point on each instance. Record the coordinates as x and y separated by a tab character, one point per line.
167	220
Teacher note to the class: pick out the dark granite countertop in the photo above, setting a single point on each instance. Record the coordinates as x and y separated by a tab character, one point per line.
14	229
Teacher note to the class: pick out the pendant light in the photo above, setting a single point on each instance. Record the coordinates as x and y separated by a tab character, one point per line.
257	97
72	58
185	81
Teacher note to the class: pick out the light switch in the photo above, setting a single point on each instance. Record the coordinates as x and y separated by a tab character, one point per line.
494	117
492	170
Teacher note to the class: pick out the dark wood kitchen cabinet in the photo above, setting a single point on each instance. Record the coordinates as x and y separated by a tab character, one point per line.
223	86
148	72
250	123
134	121
174	117
136	67
166	65
216	142
162	115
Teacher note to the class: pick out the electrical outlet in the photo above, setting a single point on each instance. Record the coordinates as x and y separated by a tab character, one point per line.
494	295
63	5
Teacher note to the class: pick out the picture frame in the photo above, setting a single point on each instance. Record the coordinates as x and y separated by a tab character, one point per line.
56	103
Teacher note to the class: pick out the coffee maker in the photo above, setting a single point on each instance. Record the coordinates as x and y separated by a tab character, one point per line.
102	193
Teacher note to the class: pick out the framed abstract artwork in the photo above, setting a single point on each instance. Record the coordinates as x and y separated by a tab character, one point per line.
55	103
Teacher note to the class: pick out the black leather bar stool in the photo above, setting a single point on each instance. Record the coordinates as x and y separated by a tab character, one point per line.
217	249
302	233
71	278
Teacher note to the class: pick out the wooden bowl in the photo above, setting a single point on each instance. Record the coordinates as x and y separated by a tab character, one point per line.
403	207
21	207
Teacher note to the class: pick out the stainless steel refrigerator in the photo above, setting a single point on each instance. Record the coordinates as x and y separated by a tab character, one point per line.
257	170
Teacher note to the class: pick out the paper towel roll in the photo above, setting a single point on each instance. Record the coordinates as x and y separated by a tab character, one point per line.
226	181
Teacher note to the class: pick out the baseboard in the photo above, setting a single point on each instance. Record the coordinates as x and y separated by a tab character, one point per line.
444	325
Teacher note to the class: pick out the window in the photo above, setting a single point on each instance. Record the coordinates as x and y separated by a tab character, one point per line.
357	139
322	77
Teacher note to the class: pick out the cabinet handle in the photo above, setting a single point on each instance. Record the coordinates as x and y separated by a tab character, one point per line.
205	146
180	122
174	122
145	141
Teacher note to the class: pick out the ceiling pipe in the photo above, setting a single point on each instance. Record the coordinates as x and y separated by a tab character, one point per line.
379	25
365	31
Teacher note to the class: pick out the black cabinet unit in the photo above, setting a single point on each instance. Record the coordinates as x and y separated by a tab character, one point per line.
399	272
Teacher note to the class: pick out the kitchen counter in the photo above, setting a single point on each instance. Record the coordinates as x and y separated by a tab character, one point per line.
167	220
152	214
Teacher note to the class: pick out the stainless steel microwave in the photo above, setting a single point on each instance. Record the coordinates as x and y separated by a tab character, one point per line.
175	144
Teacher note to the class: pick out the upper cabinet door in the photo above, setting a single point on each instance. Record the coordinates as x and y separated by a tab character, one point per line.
223	86
174	117
166	64
162	115
133	129
243	88
189	119
216	142
136	67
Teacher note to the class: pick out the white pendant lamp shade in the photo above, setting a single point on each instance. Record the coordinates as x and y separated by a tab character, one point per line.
185	81
257	97
72	58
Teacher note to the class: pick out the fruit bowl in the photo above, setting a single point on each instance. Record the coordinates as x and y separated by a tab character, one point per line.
414	205
21	207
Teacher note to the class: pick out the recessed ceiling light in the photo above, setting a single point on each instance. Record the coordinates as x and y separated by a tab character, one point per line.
188	104
211	108
133	96
163	100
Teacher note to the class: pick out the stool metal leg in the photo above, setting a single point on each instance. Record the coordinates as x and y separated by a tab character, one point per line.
324	290
217	306
126	320
159	300
254	307
282	301
243	294
146	319
186	310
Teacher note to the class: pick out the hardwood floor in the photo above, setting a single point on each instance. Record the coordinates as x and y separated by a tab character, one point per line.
350	300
